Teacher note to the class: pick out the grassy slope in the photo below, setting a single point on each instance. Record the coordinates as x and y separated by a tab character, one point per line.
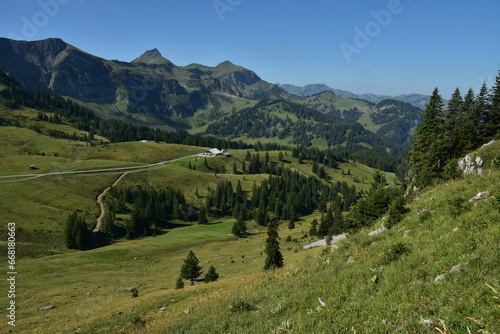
442	230
47	201
40	206
368	294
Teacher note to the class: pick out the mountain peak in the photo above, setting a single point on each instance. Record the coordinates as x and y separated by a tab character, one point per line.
152	56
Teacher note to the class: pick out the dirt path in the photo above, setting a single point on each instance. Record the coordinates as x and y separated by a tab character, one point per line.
100	201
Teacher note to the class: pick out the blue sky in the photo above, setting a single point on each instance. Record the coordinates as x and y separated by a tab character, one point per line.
377	46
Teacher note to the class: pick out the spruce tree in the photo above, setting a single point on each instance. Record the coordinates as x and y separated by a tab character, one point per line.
452	119
202	217
426	155
211	275
70	231
274	258
191	269
493	125
337	225
239	228
76	234
326	223
467	133
280	156
108	225
396	211
313	231
481	109
243	167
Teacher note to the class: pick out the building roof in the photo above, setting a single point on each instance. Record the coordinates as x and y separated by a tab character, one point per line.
215	151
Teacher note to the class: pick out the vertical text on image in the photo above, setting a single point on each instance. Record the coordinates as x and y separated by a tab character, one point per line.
11	273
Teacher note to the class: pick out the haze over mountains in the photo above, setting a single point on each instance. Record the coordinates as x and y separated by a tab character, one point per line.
418	100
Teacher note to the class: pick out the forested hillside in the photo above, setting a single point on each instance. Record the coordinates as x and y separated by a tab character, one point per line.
447	134
288	123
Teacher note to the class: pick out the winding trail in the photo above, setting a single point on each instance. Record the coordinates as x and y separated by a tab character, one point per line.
100	201
100	197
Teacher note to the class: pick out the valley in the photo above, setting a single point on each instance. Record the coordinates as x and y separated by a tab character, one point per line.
112	173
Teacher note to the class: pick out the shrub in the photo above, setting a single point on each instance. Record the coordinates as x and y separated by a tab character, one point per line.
395	252
241	306
179	284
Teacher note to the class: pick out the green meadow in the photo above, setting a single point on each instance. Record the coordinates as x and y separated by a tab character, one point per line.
385	283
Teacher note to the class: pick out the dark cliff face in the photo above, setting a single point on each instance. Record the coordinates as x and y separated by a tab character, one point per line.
85	78
57	67
31	63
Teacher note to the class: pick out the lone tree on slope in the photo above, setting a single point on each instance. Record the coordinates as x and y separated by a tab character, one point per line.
190	269
274	258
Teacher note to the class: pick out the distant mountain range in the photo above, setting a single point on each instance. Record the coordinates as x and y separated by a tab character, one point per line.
151	90
418	100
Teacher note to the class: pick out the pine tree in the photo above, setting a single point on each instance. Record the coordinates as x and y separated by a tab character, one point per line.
76	234
452	119
337	225
191	269
467	133
202	217
211	275
326	223
239	228
280	156
108	225
371	206
274	258
70	231
426	156
179	284
481	109
396	211
493	125
243	167
313	231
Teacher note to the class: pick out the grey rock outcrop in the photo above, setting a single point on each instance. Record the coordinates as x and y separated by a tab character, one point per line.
471	165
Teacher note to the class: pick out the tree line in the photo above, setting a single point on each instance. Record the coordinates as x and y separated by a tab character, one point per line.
285	194
14	95
447	134
150	209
